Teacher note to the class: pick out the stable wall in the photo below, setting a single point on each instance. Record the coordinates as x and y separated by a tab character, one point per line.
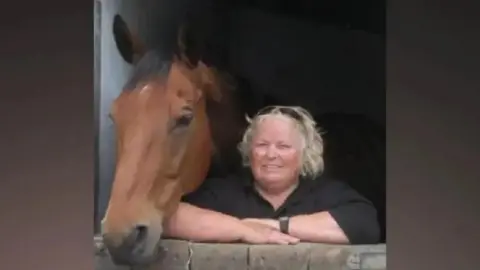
182	255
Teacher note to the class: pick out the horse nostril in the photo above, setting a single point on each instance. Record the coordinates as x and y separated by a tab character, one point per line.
141	234
184	120
131	248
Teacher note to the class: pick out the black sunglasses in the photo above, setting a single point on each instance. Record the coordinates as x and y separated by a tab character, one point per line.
284	110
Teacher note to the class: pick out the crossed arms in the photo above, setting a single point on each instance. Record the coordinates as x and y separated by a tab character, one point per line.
351	221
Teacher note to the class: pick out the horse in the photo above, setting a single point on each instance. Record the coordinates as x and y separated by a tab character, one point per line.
168	121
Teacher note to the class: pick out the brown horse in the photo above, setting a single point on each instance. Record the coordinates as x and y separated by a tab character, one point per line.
164	146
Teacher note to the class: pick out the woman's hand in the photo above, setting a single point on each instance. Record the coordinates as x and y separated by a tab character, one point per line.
260	233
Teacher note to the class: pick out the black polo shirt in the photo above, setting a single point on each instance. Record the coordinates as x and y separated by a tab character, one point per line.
236	196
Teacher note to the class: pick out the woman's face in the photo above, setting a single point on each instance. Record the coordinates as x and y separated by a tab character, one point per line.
276	152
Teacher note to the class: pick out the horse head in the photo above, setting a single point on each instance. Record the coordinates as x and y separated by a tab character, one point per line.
163	141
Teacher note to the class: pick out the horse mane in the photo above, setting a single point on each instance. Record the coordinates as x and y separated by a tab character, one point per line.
150	66
223	111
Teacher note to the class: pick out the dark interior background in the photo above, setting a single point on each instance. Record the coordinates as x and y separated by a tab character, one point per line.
279	51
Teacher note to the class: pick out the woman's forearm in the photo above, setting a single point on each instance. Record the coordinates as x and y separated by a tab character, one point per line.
197	224
319	227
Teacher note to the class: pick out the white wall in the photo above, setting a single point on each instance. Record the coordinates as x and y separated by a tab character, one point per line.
111	73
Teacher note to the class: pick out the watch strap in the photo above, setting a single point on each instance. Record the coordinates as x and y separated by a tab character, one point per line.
284	223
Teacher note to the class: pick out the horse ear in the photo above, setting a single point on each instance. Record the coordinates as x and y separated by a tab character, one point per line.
210	81
129	45
182	48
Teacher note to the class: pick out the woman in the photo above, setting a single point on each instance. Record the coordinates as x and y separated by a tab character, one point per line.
282	198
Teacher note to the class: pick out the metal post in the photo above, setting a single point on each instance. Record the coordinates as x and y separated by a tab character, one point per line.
97	95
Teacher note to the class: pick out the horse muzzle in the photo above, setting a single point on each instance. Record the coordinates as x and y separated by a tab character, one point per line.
140	247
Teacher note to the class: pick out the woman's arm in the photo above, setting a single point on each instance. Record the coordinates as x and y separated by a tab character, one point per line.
203	225
319	227
350	219
344	217
348	224
203	216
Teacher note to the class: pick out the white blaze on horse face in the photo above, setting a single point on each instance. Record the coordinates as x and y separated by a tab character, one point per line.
144	89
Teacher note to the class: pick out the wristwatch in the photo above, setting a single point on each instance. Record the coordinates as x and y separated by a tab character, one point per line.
284	222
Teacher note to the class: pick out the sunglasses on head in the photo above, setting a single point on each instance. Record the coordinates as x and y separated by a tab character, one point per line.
284	110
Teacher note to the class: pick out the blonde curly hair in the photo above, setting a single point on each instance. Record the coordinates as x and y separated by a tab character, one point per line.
312	163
